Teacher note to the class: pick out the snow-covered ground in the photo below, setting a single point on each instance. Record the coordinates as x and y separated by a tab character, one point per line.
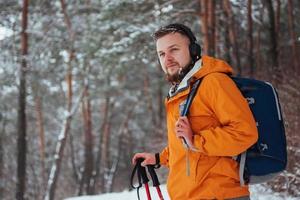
258	192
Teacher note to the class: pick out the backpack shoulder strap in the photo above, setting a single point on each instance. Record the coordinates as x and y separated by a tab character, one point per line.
190	97
192	94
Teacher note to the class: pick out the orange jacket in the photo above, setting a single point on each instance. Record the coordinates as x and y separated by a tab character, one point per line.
223	127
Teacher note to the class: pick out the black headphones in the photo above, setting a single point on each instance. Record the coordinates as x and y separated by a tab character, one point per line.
194	47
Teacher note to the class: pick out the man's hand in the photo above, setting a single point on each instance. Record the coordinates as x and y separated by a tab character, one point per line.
183	129
149	158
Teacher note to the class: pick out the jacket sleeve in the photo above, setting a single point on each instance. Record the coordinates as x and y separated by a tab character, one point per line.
237	130
164	157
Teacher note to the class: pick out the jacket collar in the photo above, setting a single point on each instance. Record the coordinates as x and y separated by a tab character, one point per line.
185	82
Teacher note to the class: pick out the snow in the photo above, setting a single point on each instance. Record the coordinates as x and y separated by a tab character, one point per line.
125	195
5	32
258	192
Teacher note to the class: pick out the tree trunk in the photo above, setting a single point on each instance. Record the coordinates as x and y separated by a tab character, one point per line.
105	127
258	59
104	154
218	31
250	38
76	171
232	35
52	181
293	36
277	22
277	29
203	16
211	27
258	54
40	125
87	175
273	36
55	170
88	145
224	23
22	143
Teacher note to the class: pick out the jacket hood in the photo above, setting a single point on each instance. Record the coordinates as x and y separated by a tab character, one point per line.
210	65
202	67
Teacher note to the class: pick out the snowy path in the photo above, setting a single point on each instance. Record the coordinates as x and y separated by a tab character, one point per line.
257	193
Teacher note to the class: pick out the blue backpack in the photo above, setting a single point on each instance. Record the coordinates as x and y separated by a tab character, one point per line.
268	156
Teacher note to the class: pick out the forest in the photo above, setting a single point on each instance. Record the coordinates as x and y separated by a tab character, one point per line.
81	89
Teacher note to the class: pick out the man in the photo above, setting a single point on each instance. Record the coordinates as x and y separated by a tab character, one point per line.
219	126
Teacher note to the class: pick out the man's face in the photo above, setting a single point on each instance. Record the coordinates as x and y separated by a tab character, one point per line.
173	53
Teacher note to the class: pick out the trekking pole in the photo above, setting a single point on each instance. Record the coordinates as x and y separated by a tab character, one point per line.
142	178
147	191
155	180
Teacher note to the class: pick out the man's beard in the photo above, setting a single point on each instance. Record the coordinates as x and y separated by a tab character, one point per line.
179	75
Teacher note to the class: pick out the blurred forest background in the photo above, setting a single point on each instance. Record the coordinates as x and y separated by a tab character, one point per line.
81	89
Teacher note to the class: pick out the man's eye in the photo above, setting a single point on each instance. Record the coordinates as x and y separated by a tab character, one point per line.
161	54
174	49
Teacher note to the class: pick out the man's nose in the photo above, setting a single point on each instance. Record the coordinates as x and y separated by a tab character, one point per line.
168	58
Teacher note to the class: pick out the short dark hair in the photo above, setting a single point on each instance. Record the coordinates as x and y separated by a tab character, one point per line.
174	28
194	47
